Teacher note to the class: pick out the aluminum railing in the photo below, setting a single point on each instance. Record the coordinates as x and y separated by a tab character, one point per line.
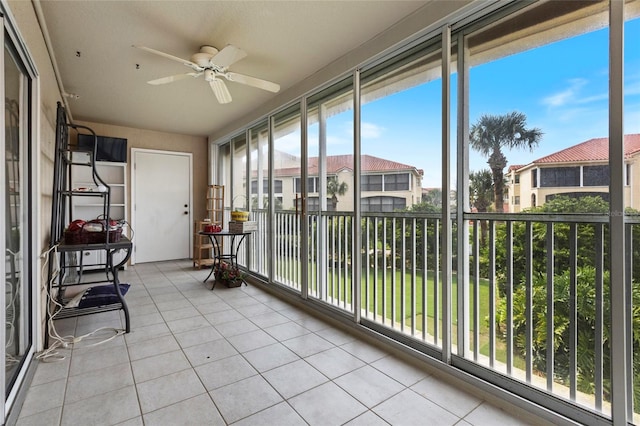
330	259
542	282
533	299
400	288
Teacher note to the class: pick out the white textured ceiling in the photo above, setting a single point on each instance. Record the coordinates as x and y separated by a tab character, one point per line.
285	41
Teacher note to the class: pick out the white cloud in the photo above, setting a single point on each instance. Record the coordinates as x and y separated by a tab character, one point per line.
370	131
567	96
573	95
289	143
569	114
334	140
594	98
367	130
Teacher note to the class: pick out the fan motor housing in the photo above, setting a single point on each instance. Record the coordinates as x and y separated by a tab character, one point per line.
209	75
203	57
208	49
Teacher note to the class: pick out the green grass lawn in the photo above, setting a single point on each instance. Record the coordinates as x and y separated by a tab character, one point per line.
389	294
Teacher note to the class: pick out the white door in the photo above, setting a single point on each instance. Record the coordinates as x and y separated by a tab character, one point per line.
161	205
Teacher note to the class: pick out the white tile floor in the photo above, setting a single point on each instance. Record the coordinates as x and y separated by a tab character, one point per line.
234	356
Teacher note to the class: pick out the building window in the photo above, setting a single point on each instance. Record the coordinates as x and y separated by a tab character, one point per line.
534	178
516	200
383	204
254	186
595	175
312	185
399	182
389	182
277	186
517	178
559	177
371	183
313	204
627	175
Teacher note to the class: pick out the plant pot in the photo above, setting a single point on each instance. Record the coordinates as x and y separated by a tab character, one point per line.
239	216
223	277
234	283
229	283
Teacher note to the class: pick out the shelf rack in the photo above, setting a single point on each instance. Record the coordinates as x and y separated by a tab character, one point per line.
202	256
65	266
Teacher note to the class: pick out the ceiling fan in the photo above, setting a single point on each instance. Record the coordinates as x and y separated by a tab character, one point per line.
213	64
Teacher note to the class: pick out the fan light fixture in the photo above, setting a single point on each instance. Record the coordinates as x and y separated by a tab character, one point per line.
213	64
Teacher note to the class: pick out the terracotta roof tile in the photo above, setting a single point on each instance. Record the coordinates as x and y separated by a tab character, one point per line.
336	163
592	150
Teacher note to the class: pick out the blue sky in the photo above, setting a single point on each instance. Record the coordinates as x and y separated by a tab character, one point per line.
561	88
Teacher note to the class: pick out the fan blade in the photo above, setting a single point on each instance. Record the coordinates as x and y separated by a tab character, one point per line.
172	78
220	90
227	56
173	58
252	81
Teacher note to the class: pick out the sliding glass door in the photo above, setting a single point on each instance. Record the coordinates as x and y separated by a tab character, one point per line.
16	189
258	204
330	194
286	197
401	192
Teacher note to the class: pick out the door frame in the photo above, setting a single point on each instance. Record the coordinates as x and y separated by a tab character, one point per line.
34	227
132	207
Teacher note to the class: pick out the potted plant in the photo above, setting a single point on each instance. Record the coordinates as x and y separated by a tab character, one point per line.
238	215
228	274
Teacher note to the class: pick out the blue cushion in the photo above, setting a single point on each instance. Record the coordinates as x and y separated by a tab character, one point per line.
101	295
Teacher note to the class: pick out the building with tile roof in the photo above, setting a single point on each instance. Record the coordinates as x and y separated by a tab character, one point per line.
386	185
577	171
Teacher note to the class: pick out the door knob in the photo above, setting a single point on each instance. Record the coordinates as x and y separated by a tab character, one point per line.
186	212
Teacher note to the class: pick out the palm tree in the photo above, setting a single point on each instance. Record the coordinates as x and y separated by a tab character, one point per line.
481	196
481	190
491	134
335	189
